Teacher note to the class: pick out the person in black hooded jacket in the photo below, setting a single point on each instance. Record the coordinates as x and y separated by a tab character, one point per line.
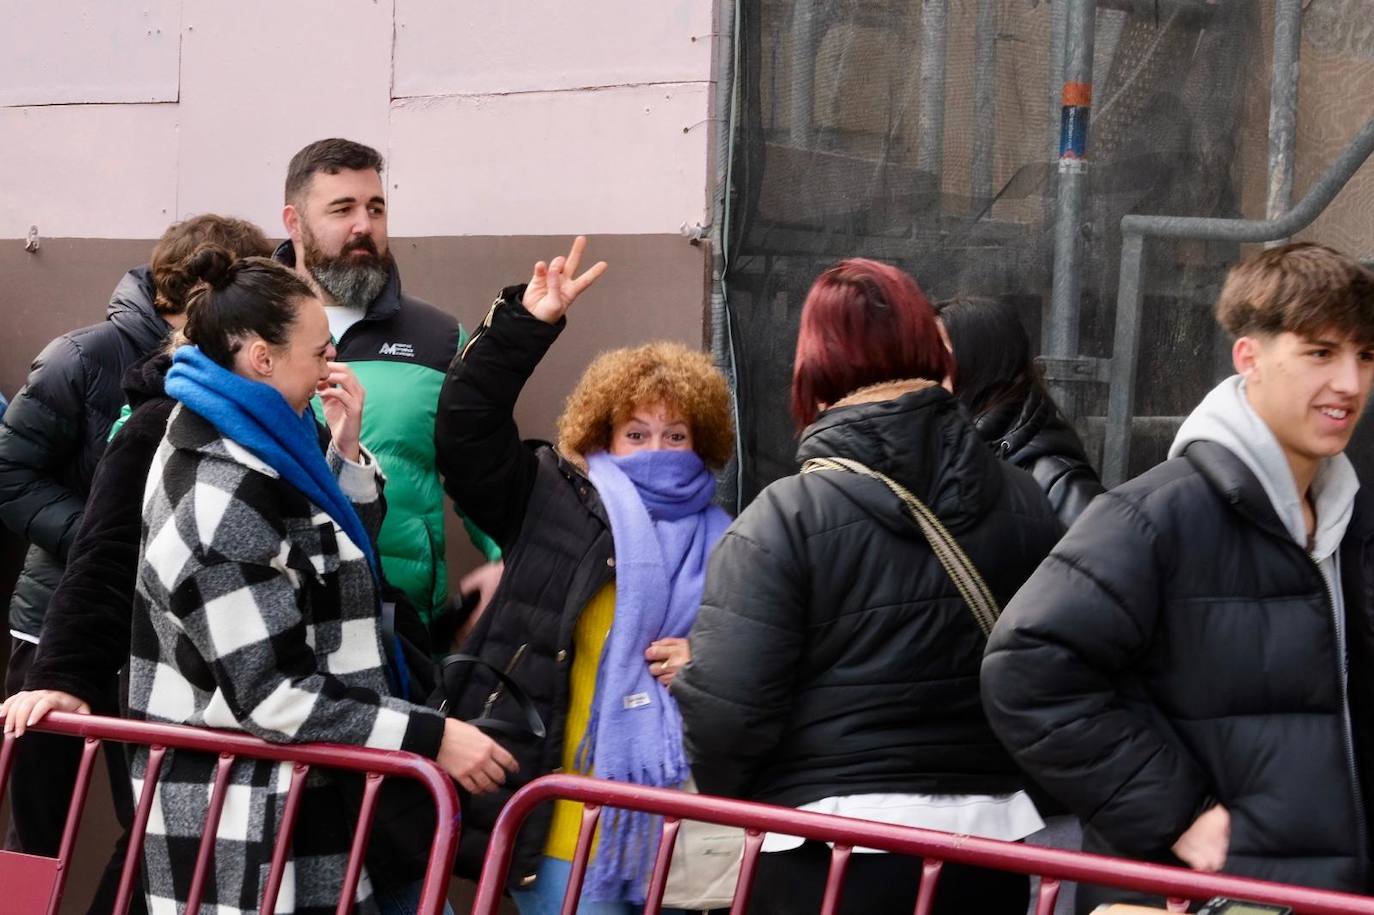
1011	409
1191	669
84	625
834	662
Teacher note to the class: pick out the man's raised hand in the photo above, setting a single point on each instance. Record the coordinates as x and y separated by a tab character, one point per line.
555	285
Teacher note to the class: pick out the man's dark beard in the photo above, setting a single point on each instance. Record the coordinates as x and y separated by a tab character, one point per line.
350	280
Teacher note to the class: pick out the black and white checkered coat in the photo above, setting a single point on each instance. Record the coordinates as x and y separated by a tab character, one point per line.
255	612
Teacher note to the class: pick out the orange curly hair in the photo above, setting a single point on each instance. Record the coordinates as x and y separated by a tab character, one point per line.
619	381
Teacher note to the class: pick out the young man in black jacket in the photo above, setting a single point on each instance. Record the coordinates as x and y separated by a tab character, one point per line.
1192	669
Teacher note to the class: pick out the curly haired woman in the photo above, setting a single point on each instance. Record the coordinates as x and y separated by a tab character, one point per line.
606	538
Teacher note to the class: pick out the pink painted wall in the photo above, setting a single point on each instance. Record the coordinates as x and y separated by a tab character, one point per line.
76	51
525	117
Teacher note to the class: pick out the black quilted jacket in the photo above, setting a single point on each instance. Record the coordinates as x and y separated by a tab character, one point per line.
833	655
53	434
1034	436
1178	648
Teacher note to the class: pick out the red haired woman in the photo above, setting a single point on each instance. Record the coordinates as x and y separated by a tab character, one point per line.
605	536
834	661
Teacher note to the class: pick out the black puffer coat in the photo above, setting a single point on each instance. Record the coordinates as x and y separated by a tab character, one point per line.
1033	435
54	432
833	654
548	519
86	631
1177	648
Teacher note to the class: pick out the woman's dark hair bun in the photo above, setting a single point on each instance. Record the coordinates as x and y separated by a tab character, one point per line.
212	264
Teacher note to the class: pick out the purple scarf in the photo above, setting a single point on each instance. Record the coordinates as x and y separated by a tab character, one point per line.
664	526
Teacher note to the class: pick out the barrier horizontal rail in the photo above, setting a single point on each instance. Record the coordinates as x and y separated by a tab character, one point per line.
1053	866
45	878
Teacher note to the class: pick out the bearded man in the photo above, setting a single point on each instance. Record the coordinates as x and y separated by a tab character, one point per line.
398	346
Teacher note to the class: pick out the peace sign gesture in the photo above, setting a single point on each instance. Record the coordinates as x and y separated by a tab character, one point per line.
555	285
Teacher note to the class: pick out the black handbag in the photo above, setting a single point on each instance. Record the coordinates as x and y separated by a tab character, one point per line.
403	827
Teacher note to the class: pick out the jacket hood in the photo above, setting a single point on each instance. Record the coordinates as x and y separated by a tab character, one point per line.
146	379
916	433
388	301
1022	432
131	310
1226	418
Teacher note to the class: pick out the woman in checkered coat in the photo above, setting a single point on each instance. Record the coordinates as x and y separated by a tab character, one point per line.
257	605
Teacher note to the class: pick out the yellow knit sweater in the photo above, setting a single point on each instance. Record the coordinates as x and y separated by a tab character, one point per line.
589	638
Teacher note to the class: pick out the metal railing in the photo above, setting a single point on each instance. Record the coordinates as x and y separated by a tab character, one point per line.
36	884
1135	229
934	848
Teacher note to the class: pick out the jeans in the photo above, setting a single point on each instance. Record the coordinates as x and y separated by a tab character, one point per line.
404	900
546	896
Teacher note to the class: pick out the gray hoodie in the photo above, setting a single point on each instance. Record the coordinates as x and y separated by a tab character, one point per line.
1226	417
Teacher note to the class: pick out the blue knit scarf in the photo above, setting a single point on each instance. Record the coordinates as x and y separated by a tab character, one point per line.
256	416
664	526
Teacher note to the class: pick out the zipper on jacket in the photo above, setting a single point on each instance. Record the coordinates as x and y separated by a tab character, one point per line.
1347	723
481	328
496	694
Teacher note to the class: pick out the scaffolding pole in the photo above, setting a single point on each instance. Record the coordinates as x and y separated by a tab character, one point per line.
1130	293
1060	339
1283	107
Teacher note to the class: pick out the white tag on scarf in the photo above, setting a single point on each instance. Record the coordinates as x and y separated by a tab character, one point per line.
637	700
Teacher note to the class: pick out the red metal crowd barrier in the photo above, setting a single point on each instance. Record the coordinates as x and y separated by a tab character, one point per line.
935	848
35	884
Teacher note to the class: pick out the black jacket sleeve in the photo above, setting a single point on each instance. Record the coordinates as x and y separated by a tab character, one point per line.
41	432
487	470
1069	485
746	644
1057	672
86	631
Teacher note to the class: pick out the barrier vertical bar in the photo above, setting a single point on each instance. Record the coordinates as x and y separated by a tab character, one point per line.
366	812
6	758
834	880
591	815
930	882
1047	897
658	881
748	871
206	854
282	849
133	855
74	812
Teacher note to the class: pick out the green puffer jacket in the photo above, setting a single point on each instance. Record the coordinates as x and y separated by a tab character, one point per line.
400	351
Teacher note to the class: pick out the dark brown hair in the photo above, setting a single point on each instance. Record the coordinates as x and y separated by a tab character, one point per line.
237	297
1301	288
331	157
993	352
173	251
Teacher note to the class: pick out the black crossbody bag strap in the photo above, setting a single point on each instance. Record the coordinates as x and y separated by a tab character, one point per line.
961	570
533	725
